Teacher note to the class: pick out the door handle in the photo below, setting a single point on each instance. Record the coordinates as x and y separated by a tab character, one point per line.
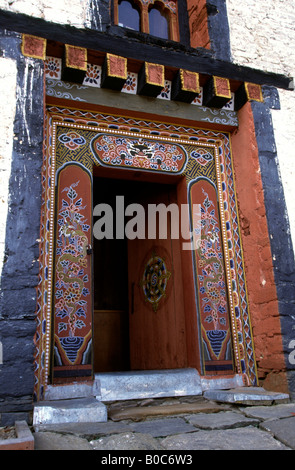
89	250
132	298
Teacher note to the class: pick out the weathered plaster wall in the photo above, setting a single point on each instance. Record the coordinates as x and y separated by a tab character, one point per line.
69	12
262	36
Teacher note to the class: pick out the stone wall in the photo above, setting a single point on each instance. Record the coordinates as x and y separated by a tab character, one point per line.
21	161
8	74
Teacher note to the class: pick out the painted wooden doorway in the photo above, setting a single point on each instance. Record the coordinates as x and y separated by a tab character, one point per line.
139	321
169	154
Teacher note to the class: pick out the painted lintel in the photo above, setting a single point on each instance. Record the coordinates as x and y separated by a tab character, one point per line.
114	99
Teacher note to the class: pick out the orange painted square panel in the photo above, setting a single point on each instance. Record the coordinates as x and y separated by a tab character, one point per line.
155	74
190	81
222	87
254	91
76	57
32	46
117	66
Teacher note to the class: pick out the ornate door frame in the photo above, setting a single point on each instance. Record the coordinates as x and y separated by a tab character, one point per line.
190	149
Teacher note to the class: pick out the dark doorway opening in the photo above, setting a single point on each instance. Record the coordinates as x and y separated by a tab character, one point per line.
128	333
111	326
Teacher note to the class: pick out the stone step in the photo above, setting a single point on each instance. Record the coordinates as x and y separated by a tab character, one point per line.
247	396
79	410
147	384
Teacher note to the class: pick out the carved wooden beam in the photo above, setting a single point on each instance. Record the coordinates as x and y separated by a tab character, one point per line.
216	92
114	72
74	64
151	79
185	86
247	92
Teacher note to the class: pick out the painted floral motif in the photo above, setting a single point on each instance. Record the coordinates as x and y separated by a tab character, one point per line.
168	3
72	140
166	92
52	67
230	105
71	290
138	153
93	75
130	86
211	277
198	101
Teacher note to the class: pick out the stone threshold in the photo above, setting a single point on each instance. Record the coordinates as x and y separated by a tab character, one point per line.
88	402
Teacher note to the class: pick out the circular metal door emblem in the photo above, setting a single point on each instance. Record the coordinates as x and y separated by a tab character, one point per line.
154	280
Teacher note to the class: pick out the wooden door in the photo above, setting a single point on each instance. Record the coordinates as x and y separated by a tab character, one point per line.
156	314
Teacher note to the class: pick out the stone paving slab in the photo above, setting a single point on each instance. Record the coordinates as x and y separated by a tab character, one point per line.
56	441
247	396
222	420
140	413
270	412
248	438
127	441
283	429
163	427
86	430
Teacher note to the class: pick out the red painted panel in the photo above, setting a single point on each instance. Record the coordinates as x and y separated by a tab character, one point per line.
72	296
211	278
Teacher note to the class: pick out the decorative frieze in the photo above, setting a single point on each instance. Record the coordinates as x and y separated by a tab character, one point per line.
154	80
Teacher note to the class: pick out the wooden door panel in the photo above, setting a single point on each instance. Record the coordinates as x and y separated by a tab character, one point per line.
110	348
156	321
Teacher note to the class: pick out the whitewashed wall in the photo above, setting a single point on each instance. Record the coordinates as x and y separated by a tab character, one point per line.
262	35
71	12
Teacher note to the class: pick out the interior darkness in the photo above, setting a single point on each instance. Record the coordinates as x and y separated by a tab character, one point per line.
110	256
